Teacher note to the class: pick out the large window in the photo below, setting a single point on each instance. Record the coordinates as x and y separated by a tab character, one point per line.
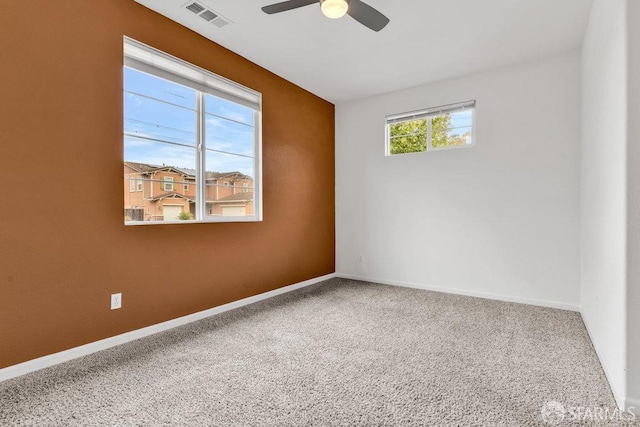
450	126
184	125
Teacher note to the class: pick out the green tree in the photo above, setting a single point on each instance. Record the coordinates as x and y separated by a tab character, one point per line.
408	137
411	136
185	216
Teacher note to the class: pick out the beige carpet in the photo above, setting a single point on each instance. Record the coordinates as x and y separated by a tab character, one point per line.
339	353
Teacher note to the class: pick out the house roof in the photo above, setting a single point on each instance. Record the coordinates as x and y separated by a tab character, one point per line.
135	166
147	168
238	197
171	195
230	175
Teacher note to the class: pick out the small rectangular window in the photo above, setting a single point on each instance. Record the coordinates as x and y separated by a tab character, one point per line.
168	183
185	125
139	184
437	128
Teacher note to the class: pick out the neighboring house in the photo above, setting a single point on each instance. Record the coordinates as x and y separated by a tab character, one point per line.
163	193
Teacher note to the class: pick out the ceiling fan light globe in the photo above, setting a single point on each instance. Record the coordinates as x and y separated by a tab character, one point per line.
334	8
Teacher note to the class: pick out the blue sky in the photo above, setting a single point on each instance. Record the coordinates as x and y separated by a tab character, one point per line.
147	115
461	122
461	119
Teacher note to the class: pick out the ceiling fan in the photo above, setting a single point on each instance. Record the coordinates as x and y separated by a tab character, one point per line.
358	10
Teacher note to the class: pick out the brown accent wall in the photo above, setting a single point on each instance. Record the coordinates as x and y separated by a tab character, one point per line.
63	246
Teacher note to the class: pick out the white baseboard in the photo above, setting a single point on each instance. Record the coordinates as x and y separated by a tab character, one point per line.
507	298
621	401
83	350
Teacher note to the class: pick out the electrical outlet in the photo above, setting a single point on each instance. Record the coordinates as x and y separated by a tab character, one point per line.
116	301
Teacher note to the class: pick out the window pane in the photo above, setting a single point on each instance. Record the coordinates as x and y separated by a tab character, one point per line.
462	118
165	181
228	136
228	110
226	163
153	119
452	129
229	186
158	154
459	136
408	137
155	87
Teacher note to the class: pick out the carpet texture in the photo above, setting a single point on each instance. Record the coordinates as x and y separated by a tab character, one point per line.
338	353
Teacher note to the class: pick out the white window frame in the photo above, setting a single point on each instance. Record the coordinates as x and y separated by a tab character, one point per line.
132	184
168	183
427	114
159	64
139	185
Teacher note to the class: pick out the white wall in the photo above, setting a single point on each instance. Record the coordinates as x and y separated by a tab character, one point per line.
499	219
633	207
603	189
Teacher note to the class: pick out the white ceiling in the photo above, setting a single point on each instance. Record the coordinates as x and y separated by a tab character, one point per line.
426	40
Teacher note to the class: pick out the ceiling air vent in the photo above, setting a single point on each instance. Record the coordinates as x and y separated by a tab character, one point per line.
205	12
207	15
195	8
220	22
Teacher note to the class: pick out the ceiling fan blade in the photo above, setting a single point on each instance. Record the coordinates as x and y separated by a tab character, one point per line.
366	15
287	5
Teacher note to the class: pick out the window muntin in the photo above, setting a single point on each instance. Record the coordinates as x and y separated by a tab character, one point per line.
438	128
184	125
168	183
